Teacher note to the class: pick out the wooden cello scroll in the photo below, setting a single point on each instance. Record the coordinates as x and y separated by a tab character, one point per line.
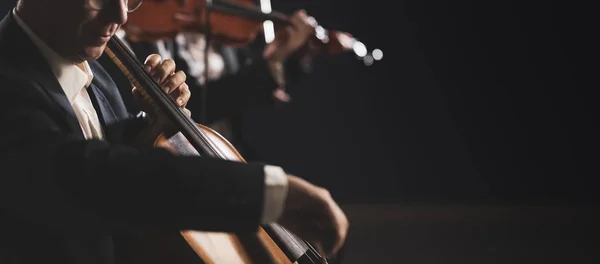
195	247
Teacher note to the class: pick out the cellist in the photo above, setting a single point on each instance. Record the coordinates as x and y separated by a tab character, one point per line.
72	178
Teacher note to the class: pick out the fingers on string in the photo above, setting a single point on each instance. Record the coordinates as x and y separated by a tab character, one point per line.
174	81
152	61
182	94
164	70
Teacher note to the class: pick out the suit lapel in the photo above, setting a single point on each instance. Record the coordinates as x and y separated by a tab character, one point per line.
104	110
35	66
48	81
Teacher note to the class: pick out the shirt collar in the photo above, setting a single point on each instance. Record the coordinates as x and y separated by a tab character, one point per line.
72	79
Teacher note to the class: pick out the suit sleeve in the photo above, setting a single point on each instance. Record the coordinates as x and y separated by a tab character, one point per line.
54	180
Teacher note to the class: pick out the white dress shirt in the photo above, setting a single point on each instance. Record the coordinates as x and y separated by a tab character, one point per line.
75	80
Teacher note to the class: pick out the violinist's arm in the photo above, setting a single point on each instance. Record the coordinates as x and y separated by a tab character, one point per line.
53	180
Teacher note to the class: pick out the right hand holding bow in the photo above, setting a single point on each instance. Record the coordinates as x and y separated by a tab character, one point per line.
311	213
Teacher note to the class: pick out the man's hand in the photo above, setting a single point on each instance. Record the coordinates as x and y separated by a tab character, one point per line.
286	42
171	82
313	215
294	36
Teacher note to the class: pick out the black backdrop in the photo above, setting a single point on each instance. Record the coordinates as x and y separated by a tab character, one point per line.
473	101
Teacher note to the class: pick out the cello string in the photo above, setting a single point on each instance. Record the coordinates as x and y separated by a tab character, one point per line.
294	240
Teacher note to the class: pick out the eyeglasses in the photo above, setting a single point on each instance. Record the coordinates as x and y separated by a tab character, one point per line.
131	5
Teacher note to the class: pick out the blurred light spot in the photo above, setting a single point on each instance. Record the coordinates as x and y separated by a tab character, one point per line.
265	6
321	33
268	28
377	54
312	21
359	49
368	60
269	31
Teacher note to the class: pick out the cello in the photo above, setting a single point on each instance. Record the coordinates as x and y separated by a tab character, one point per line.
270	244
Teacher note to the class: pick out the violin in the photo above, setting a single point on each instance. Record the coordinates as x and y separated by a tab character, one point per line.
228	22
271	244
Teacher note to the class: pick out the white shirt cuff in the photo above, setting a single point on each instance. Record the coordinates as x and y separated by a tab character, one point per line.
276	187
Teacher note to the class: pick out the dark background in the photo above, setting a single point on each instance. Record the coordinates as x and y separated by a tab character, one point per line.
473	101
474	139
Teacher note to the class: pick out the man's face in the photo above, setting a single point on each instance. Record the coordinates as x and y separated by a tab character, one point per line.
78	31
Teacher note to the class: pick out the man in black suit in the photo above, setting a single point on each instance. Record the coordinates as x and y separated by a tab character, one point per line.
72	181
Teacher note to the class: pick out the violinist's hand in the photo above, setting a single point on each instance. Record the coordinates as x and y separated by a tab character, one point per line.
294	36
313	215
172	83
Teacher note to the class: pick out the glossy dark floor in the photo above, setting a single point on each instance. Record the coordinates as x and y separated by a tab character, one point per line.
472	235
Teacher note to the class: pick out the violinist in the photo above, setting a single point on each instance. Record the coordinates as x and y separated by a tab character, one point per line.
73	178
239	77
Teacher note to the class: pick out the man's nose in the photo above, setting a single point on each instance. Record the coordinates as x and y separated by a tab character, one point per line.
118	12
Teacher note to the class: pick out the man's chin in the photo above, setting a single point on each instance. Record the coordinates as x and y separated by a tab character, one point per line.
92	53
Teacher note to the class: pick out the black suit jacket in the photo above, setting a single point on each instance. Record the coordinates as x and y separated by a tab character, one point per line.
63	199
